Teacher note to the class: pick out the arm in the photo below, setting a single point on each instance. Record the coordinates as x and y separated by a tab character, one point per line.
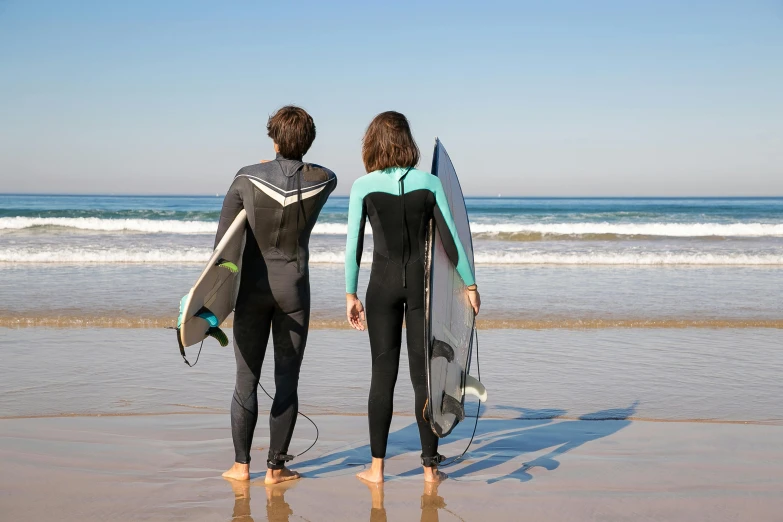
448	234
357	217
232	204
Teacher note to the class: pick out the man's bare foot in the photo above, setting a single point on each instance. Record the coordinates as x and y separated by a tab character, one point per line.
276	476
238	472
374	474
431	474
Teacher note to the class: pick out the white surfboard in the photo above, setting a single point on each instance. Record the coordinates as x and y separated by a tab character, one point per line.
212	298
450	317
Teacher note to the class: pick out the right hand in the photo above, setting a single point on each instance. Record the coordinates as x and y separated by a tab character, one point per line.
354	311
475	300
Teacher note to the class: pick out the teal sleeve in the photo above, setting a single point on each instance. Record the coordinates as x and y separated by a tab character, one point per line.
355	240
463	267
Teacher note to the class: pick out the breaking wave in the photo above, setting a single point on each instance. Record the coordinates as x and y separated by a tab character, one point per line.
501	231
71	255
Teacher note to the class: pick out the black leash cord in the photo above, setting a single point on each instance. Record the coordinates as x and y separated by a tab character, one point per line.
267	394
454	460
197	356
303	415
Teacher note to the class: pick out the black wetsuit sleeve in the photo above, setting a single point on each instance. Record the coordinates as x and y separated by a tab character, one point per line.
232	205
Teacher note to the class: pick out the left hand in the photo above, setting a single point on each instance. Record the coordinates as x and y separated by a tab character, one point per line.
475	300
355	312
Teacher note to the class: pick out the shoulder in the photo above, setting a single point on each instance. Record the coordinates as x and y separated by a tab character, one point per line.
365	184
424	180
315	172
256	169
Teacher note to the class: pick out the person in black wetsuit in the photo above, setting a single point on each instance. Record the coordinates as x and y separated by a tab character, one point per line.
399	201
283	199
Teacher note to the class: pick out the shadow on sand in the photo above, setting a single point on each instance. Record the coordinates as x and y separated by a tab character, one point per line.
497	442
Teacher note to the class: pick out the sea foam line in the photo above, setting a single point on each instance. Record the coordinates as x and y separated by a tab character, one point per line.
71	256
151	226
633	229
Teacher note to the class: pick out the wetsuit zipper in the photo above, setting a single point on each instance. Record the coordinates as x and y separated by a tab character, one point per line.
404	228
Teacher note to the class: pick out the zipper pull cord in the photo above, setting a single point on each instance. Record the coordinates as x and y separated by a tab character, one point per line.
300	210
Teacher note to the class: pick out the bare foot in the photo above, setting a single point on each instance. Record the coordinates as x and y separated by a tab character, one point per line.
276	476
374	474
238	472
431	474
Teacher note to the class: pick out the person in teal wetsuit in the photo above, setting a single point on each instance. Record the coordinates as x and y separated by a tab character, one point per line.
399	201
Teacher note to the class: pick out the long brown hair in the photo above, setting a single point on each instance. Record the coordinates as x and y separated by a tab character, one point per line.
388	142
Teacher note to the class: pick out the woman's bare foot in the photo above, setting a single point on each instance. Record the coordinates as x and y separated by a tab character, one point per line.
431	474
374	474
276	476
238	472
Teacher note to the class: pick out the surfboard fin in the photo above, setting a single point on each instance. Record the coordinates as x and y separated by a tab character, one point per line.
441	349
207	314
474	387
453	406
231	267
219	335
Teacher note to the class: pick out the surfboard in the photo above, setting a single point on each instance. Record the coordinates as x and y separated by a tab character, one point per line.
449	315
212	298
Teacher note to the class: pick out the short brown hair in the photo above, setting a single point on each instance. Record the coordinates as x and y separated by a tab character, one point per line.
293	130
388	143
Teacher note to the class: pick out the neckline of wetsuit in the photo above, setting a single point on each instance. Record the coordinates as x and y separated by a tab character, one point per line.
300	210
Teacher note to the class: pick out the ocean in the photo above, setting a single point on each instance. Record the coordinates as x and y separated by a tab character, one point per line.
670	306
509	231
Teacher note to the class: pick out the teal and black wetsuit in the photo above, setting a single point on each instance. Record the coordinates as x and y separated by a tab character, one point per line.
399	203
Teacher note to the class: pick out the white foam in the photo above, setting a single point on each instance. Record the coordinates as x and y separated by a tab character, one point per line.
626	258
65	256
68	256
149	226
634	229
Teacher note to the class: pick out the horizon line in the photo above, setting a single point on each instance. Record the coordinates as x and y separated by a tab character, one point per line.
171	195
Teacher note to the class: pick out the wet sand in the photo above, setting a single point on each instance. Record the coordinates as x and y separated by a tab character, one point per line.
120	319
168	467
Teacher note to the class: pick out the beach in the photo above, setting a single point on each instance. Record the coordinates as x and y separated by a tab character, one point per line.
630	348
168	467
108	424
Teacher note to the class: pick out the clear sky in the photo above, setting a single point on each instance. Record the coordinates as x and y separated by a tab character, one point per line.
540	98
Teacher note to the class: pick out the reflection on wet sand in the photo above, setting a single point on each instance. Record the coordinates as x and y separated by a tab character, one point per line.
377	512
431	503
277	509
241	500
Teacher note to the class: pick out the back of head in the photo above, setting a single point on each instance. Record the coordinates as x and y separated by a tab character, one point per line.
292	130
388	143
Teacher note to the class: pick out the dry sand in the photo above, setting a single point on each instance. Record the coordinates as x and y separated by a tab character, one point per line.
168	467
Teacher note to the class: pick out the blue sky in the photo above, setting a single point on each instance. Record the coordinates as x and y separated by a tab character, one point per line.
561	98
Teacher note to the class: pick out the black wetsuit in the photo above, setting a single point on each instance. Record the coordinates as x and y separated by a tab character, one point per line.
283	199
399	204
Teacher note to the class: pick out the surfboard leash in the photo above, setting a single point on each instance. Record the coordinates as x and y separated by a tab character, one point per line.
182	348
303	415
454	460
198	356
182	351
